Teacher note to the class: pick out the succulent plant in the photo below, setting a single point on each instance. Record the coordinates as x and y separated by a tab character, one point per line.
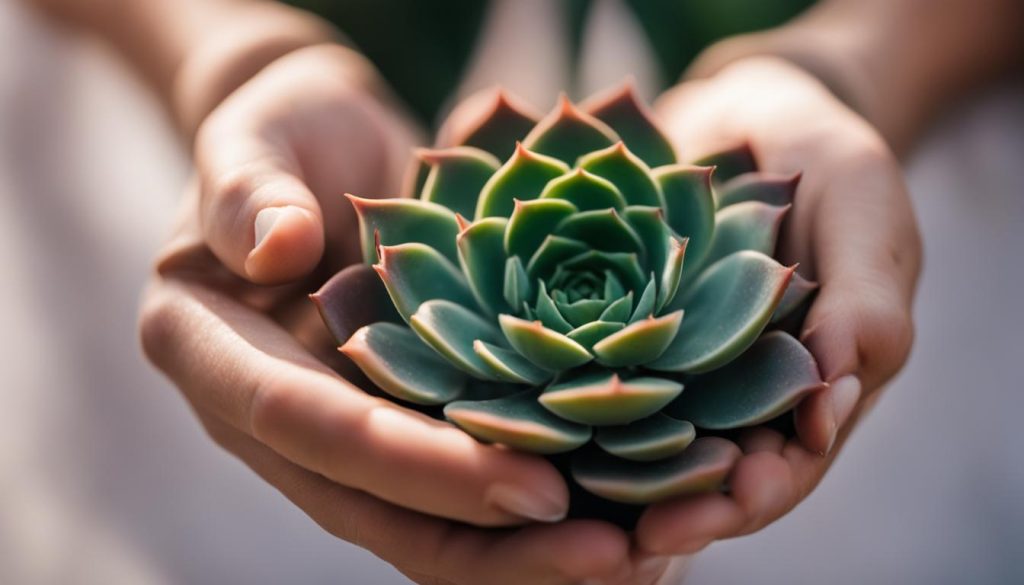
565	287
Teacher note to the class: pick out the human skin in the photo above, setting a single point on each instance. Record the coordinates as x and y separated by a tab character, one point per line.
281	120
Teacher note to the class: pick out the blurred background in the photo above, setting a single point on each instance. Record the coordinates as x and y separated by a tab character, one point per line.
106	477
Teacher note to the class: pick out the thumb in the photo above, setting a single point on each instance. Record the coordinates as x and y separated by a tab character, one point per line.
257	214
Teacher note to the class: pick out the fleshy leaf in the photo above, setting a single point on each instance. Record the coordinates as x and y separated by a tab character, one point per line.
701	467
402	221
505	121
603	398
613	288
552	252
730	163
798	291
589	334
689	207
630	118
548	313
627	172
531	222
766	381
601	229
516	284
353	298
582	311
625	265
482	256
727	308
508	365
544	347
619	310
567	133
457	175
750	225
585	190
523	177
665	253
451	330
771	188
639	343
519	422
397	361
415	273
645	306
648	439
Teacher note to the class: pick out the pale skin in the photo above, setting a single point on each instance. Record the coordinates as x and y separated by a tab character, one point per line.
282	118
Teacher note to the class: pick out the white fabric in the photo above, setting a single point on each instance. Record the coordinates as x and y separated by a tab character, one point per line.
105	477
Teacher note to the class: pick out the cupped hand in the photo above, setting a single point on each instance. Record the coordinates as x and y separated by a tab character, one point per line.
254	362
852	229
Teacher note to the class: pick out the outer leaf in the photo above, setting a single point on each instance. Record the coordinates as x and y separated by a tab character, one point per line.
764	382
531	222
601	229
647	439
702	467
750	225
602	398
396	360
727	309
457	175
567	133
689	207
631	119
519	422
482	256
451	330
771	188
585	190
505	120
544	347
640	343
522	177
627	172
730	163
402	221
589	334
508	365
415	273
799	290
353	298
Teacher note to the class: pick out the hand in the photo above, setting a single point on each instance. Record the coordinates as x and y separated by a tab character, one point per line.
852	229
273	160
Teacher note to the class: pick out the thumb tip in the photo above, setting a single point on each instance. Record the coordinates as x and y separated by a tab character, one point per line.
288	244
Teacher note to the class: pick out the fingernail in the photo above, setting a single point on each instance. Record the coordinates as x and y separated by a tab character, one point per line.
529	505
845	394
265	221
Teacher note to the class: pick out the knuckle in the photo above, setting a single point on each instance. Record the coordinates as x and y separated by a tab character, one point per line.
886	335
156	327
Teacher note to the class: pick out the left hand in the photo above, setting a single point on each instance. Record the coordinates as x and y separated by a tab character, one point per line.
852	228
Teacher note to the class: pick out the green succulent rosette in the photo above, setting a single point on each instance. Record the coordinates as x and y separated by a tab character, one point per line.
605	305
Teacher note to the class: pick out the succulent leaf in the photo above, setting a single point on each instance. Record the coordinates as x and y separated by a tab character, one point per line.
519	422
750	225
729	306
731	162
544	347
625	265
649	439
523	177
567	133
689	207
767	380
701	467
639	343
601	229
395	359
585	190
531	222
509	365
516	286
589	334
620	309
355	286
505	121
603	398
414	273
770	188
582	311
452	330
648	299
632	121
456	177
628	173
551	253
799	290
389	222
482	256
548	313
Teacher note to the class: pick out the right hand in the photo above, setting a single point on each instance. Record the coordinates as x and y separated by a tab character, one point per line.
253	360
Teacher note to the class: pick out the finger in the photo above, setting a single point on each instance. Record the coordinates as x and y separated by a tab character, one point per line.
257	214
687	525
240	366
432	550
